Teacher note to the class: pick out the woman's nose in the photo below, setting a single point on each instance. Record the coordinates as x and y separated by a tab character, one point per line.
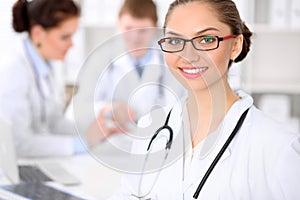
189	53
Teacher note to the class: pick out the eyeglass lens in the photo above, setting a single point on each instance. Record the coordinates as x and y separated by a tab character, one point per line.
173	44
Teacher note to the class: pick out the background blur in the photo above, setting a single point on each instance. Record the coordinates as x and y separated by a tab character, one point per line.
271	74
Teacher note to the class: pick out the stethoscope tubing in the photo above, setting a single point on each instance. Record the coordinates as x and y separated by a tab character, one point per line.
217	158
168	147
155	179
38	84
165	126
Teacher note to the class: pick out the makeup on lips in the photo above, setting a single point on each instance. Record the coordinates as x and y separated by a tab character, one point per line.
192	72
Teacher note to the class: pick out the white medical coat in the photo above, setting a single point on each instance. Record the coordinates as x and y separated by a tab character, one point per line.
262	162
107	78
20	103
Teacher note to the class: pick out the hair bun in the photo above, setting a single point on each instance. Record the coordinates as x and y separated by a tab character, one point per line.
20	20
246	43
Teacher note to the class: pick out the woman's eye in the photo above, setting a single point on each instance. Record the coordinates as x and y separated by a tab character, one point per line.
207	39
65	37
175	41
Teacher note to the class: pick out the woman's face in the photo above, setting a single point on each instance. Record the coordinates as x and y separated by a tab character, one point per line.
56	42
198	70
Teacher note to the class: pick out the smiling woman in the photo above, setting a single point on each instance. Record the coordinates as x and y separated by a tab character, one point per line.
223	147
30	97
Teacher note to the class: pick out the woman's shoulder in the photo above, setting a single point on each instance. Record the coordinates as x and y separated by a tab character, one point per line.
274	149
14	60
15	70
275	140
265	125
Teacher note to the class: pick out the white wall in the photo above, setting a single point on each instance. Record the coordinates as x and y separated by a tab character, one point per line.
6	32
277	51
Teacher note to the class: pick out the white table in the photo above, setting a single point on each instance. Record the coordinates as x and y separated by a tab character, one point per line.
97	181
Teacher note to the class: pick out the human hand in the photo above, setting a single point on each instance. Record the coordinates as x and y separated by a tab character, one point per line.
113	118
117	117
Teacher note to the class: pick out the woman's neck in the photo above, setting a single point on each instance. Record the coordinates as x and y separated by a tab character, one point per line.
207	108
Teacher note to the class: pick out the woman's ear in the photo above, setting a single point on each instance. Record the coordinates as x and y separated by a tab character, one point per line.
37	34
237	47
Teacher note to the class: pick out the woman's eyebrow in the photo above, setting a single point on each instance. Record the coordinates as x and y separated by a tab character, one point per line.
197	33
207	29
173	33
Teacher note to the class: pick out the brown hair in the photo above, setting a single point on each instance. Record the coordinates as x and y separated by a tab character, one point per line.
140	9
227	13
46	13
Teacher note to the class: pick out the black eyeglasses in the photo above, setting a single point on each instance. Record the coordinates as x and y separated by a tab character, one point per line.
201	43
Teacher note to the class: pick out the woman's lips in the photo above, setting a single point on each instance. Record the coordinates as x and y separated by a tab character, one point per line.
192	72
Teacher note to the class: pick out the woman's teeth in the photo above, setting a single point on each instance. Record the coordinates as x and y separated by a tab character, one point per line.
194	70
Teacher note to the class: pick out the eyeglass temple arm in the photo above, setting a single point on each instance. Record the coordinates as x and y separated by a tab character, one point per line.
227	37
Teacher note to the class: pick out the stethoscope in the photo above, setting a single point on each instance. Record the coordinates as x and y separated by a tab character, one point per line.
169	144
38	84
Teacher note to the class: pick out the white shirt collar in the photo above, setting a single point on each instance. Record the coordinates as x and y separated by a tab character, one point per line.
41	67
224	129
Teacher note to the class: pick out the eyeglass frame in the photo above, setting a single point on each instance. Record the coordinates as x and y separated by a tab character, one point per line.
219	39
